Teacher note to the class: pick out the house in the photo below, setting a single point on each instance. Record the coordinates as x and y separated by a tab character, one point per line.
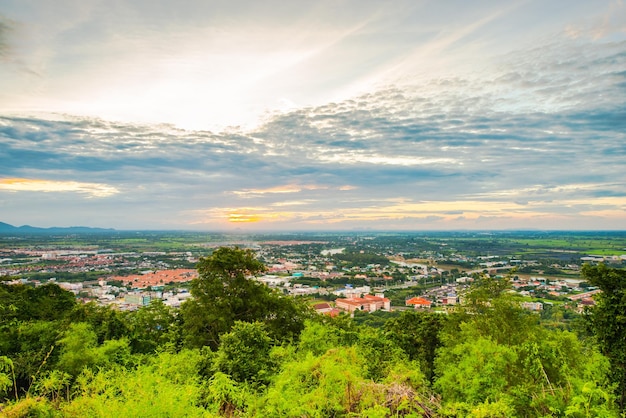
368	303
584	295
322	307
326	309
273	281
584	303
449	299
418	303
532	306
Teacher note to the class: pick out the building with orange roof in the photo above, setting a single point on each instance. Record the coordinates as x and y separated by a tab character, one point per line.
368	303
322	307
418	303
333	312
156	278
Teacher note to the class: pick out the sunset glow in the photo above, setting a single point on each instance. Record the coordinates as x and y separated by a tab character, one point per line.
50	186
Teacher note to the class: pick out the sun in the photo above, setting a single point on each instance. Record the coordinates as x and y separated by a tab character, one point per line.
238	217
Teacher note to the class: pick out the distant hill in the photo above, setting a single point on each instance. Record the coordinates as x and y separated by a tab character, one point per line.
6	228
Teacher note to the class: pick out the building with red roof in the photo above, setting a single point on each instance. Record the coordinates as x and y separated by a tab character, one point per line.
368	303
418	303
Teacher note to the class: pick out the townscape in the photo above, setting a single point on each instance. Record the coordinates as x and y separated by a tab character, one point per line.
109	323
330	267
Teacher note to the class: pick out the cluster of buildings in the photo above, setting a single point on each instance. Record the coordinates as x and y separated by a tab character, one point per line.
287	261
352	299
129	292
528	286
156	278
18	261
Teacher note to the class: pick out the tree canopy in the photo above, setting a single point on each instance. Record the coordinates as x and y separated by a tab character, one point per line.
240	349
607	321
226	292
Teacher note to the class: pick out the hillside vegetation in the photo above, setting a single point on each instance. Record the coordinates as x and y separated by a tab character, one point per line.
238	349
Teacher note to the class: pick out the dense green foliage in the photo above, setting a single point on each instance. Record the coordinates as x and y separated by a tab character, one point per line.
607	321
238	349
224	294
498	357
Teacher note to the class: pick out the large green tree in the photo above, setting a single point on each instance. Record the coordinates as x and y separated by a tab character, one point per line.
244	353
31	322
78	349
26	303
226	291
607	321
108	323
417	333
152	327
497	358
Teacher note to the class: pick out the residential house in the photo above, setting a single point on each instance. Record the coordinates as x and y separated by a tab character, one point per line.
368	303
418	303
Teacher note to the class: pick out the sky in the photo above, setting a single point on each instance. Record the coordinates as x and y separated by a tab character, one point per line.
313	115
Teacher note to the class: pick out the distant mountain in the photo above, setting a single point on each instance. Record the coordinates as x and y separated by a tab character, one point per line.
6	228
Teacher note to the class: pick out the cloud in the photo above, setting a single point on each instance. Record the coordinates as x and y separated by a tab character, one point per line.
354	158
532	135
52	186
5	28
293	203
599	27
560	192
291	188
378	211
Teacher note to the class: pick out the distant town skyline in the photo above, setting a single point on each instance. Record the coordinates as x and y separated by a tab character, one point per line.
260	116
